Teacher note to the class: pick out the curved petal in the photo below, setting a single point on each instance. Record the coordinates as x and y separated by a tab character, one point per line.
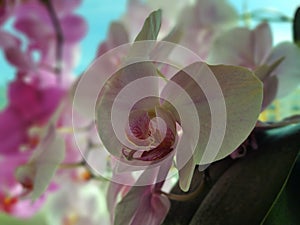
13	131
270	90
234	48
262	36
242	95
204	14
288	70
109	94
242	47
141	205
117	36
66	6
8	40
74	28
38	172
19	59
34	28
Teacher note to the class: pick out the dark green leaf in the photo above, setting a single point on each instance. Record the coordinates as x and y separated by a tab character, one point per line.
182	212
246	191
286	209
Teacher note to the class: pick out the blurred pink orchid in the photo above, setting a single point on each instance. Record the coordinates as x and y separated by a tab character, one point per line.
203	21
142	205
11	192
33	20
34	98
276	66
78	203
199	22
28	106
6	9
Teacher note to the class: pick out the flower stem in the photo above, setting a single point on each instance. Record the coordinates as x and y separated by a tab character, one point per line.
72	165
186	197
59	34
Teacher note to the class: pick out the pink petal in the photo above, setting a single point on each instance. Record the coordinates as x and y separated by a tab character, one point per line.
107	98
13	131
242	47
161	206
65	7
152	210
34	28
117	35
134	19
8	165
262	37
141	206
32	10
288	70
74	28
8	40
19	59
6	9
34	105
212	13
234	47
270	91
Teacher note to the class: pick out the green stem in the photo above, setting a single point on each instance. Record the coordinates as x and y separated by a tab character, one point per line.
185	197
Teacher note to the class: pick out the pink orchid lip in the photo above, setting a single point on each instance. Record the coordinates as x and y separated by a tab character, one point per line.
156	154
153	155
149	132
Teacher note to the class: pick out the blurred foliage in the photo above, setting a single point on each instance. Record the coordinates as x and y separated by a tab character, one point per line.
282	108
39	219
296	27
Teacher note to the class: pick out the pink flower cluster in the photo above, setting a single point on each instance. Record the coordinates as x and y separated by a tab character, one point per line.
37	89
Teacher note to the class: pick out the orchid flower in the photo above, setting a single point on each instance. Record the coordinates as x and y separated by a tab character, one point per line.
275	66
157	131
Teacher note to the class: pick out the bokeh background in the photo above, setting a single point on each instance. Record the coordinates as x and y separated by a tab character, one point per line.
100	13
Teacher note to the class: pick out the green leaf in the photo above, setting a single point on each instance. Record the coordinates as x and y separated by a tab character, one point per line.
296	27
286	209
272	146
188	208
151	27
248	189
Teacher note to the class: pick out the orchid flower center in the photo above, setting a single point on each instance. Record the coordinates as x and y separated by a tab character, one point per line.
151	133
